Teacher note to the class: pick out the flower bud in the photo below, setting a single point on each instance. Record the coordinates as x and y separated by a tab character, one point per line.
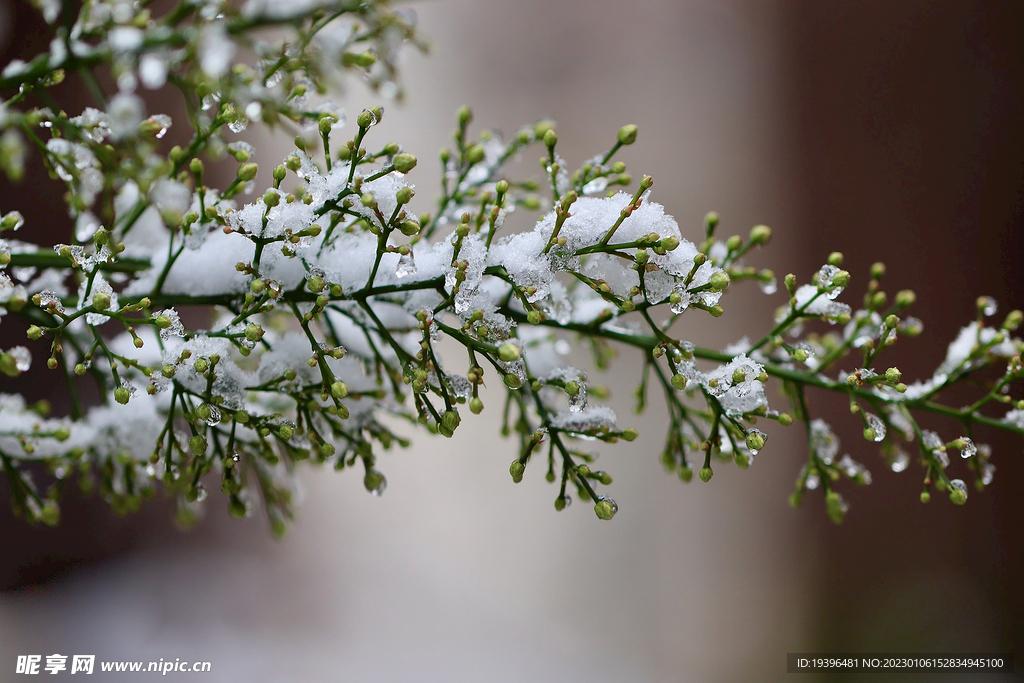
197	444
605	508
760	234
404	163
705	474
101	301
509	352
253	333
247	171
121	395
516	469
339	389
476	405
719	281
755	440
627	134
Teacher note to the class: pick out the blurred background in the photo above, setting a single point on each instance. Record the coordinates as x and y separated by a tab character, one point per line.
888	131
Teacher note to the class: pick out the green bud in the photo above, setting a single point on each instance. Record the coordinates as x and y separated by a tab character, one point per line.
201	365
49	514
339	389
34	332
705	474
605	508
253	332
550	138
247	171
404	163
760	234
516	469
629	434
509	352
476	406
405	195
719	281
669	243
101	301
755	441
197	444
957	492
163	322
678	382
893	375
627	134
121	395
475	154
926	497
512	381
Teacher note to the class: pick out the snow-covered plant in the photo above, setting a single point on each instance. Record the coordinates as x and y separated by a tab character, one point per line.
235	331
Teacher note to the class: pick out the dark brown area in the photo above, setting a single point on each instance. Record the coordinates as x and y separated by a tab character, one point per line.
910	150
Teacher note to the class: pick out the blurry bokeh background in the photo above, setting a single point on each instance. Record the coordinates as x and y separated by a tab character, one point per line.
884	130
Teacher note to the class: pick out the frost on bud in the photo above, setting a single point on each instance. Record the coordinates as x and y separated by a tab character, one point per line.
404	163
247	171
121	395
101	301
509	352
516	469
197	444
705	474
627	134
605	508
163	322
760	234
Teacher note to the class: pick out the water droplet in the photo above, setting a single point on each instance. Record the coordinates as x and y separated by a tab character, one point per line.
969	450
958	485
900	461
238	125
988	305
877	425
988	471
201	492
406	265
826	275
22	358
770	287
